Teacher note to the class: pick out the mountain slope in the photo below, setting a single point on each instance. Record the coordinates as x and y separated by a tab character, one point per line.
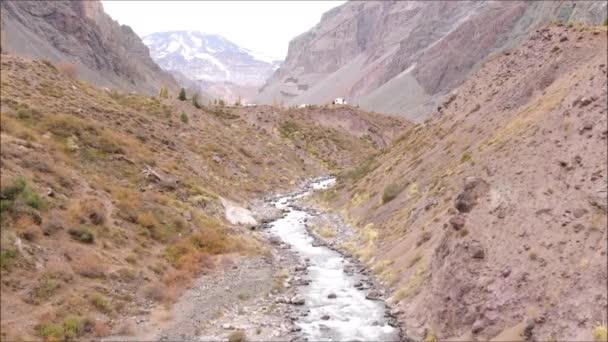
402	57
112	203
489	221
81	33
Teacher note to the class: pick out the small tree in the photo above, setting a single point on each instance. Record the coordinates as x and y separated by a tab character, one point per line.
221	103
184	117
238	101
164	93
182	94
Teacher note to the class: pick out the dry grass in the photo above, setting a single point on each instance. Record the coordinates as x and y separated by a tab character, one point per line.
68	69
237	336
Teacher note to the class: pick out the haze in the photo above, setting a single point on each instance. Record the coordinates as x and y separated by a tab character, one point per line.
251	24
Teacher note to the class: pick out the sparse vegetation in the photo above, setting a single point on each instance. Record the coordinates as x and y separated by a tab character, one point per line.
163	93
19	195
600	332
101	303
82	234
391	191
184	117
237	336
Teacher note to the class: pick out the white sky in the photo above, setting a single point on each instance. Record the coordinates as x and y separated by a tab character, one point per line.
261	26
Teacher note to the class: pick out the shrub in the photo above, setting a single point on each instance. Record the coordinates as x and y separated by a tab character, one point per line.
182	94
390	192
465	157
19	191
7	257
164	93
100	303
70	328
147	220
221	102
600	332
184	117
82	234
67	69
237	336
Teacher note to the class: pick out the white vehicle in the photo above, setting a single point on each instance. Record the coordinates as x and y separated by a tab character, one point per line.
303	105
339	101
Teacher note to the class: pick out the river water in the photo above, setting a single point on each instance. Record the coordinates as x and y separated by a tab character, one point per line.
352	317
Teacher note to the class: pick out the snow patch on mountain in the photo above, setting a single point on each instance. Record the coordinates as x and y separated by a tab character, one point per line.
207	57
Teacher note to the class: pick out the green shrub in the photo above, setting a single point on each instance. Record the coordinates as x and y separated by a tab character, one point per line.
182	94
82	234
101	304
390	192
19	191
184	117
7	257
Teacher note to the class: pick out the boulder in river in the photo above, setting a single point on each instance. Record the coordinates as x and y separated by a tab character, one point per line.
297	300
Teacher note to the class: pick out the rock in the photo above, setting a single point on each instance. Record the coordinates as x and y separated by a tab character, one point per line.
477	251
332	296
478	326
529	330
227	326
506	272
579	212
373	295
300	268
457	221
297	300
474	187
325	317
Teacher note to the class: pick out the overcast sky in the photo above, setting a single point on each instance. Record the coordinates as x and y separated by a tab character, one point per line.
261	26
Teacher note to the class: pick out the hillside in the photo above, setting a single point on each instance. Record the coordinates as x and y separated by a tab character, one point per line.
388	56
489	221
79	34
112	204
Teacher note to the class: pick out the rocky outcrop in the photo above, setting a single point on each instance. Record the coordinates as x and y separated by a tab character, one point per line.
104	52
389	56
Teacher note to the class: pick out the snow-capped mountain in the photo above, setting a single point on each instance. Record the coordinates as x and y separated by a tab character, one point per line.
207	57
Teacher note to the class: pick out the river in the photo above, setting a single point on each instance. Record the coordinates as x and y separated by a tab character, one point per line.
346	316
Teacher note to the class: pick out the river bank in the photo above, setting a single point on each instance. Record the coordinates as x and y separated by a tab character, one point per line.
302	289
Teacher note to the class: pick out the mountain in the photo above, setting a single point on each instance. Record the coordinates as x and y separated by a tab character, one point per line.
210	58
103	52
488	222
404	56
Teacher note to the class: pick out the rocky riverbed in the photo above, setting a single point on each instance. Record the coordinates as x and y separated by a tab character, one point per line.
303	289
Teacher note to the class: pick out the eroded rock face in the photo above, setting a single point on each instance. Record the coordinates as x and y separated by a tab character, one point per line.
376	53
80	32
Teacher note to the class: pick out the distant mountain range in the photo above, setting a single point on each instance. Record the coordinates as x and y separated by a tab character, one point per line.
209	58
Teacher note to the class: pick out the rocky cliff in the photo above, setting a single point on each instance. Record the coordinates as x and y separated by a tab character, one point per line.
403	56
104	52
